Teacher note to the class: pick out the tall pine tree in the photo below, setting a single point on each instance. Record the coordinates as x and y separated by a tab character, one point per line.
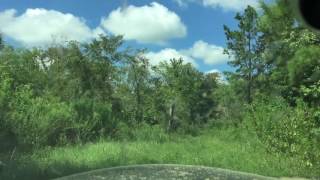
243	47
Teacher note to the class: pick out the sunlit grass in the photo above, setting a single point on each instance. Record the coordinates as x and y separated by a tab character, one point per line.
218	148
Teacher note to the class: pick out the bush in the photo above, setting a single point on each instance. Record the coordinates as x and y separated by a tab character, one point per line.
46	120
93	117
5	85
122	132
231	106
154	133
39	121
286	129
141	132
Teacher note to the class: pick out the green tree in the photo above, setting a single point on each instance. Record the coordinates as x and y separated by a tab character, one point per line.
168	74
186	94
205	103
138	76
244	47
283	37
304	71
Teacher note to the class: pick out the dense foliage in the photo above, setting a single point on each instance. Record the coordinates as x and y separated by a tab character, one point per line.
76	93
278	61
80	92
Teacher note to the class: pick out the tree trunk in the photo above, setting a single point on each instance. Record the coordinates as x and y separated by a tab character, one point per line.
171	117
139	112
249	86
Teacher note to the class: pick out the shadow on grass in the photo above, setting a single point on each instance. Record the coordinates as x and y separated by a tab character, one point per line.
18	165
27	169
15	170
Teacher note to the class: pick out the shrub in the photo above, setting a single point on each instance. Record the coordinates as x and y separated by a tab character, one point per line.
122	132
39	121
140	132
231	107
5	85
145	132
93	118
286	129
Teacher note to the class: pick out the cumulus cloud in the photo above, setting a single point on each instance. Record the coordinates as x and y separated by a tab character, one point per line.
98	31
37	27
167	54
226	5
152	23
209	53
200	51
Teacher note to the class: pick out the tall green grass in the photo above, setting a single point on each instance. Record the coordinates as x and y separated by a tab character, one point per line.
223	148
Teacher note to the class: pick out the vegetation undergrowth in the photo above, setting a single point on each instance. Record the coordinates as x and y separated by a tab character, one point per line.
227	148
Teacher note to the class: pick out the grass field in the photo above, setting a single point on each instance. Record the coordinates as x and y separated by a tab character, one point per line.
224	148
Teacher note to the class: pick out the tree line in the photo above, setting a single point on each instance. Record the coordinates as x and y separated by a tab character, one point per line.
81	92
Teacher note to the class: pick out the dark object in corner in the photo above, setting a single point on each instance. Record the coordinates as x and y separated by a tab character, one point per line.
310	12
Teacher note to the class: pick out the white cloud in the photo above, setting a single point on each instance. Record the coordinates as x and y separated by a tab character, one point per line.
182	3
226	5
209	53
232	5
213	71
167	54
222	79
38	27
152	23
98	31
6	17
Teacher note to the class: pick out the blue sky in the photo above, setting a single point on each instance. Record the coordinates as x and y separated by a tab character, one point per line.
192	29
